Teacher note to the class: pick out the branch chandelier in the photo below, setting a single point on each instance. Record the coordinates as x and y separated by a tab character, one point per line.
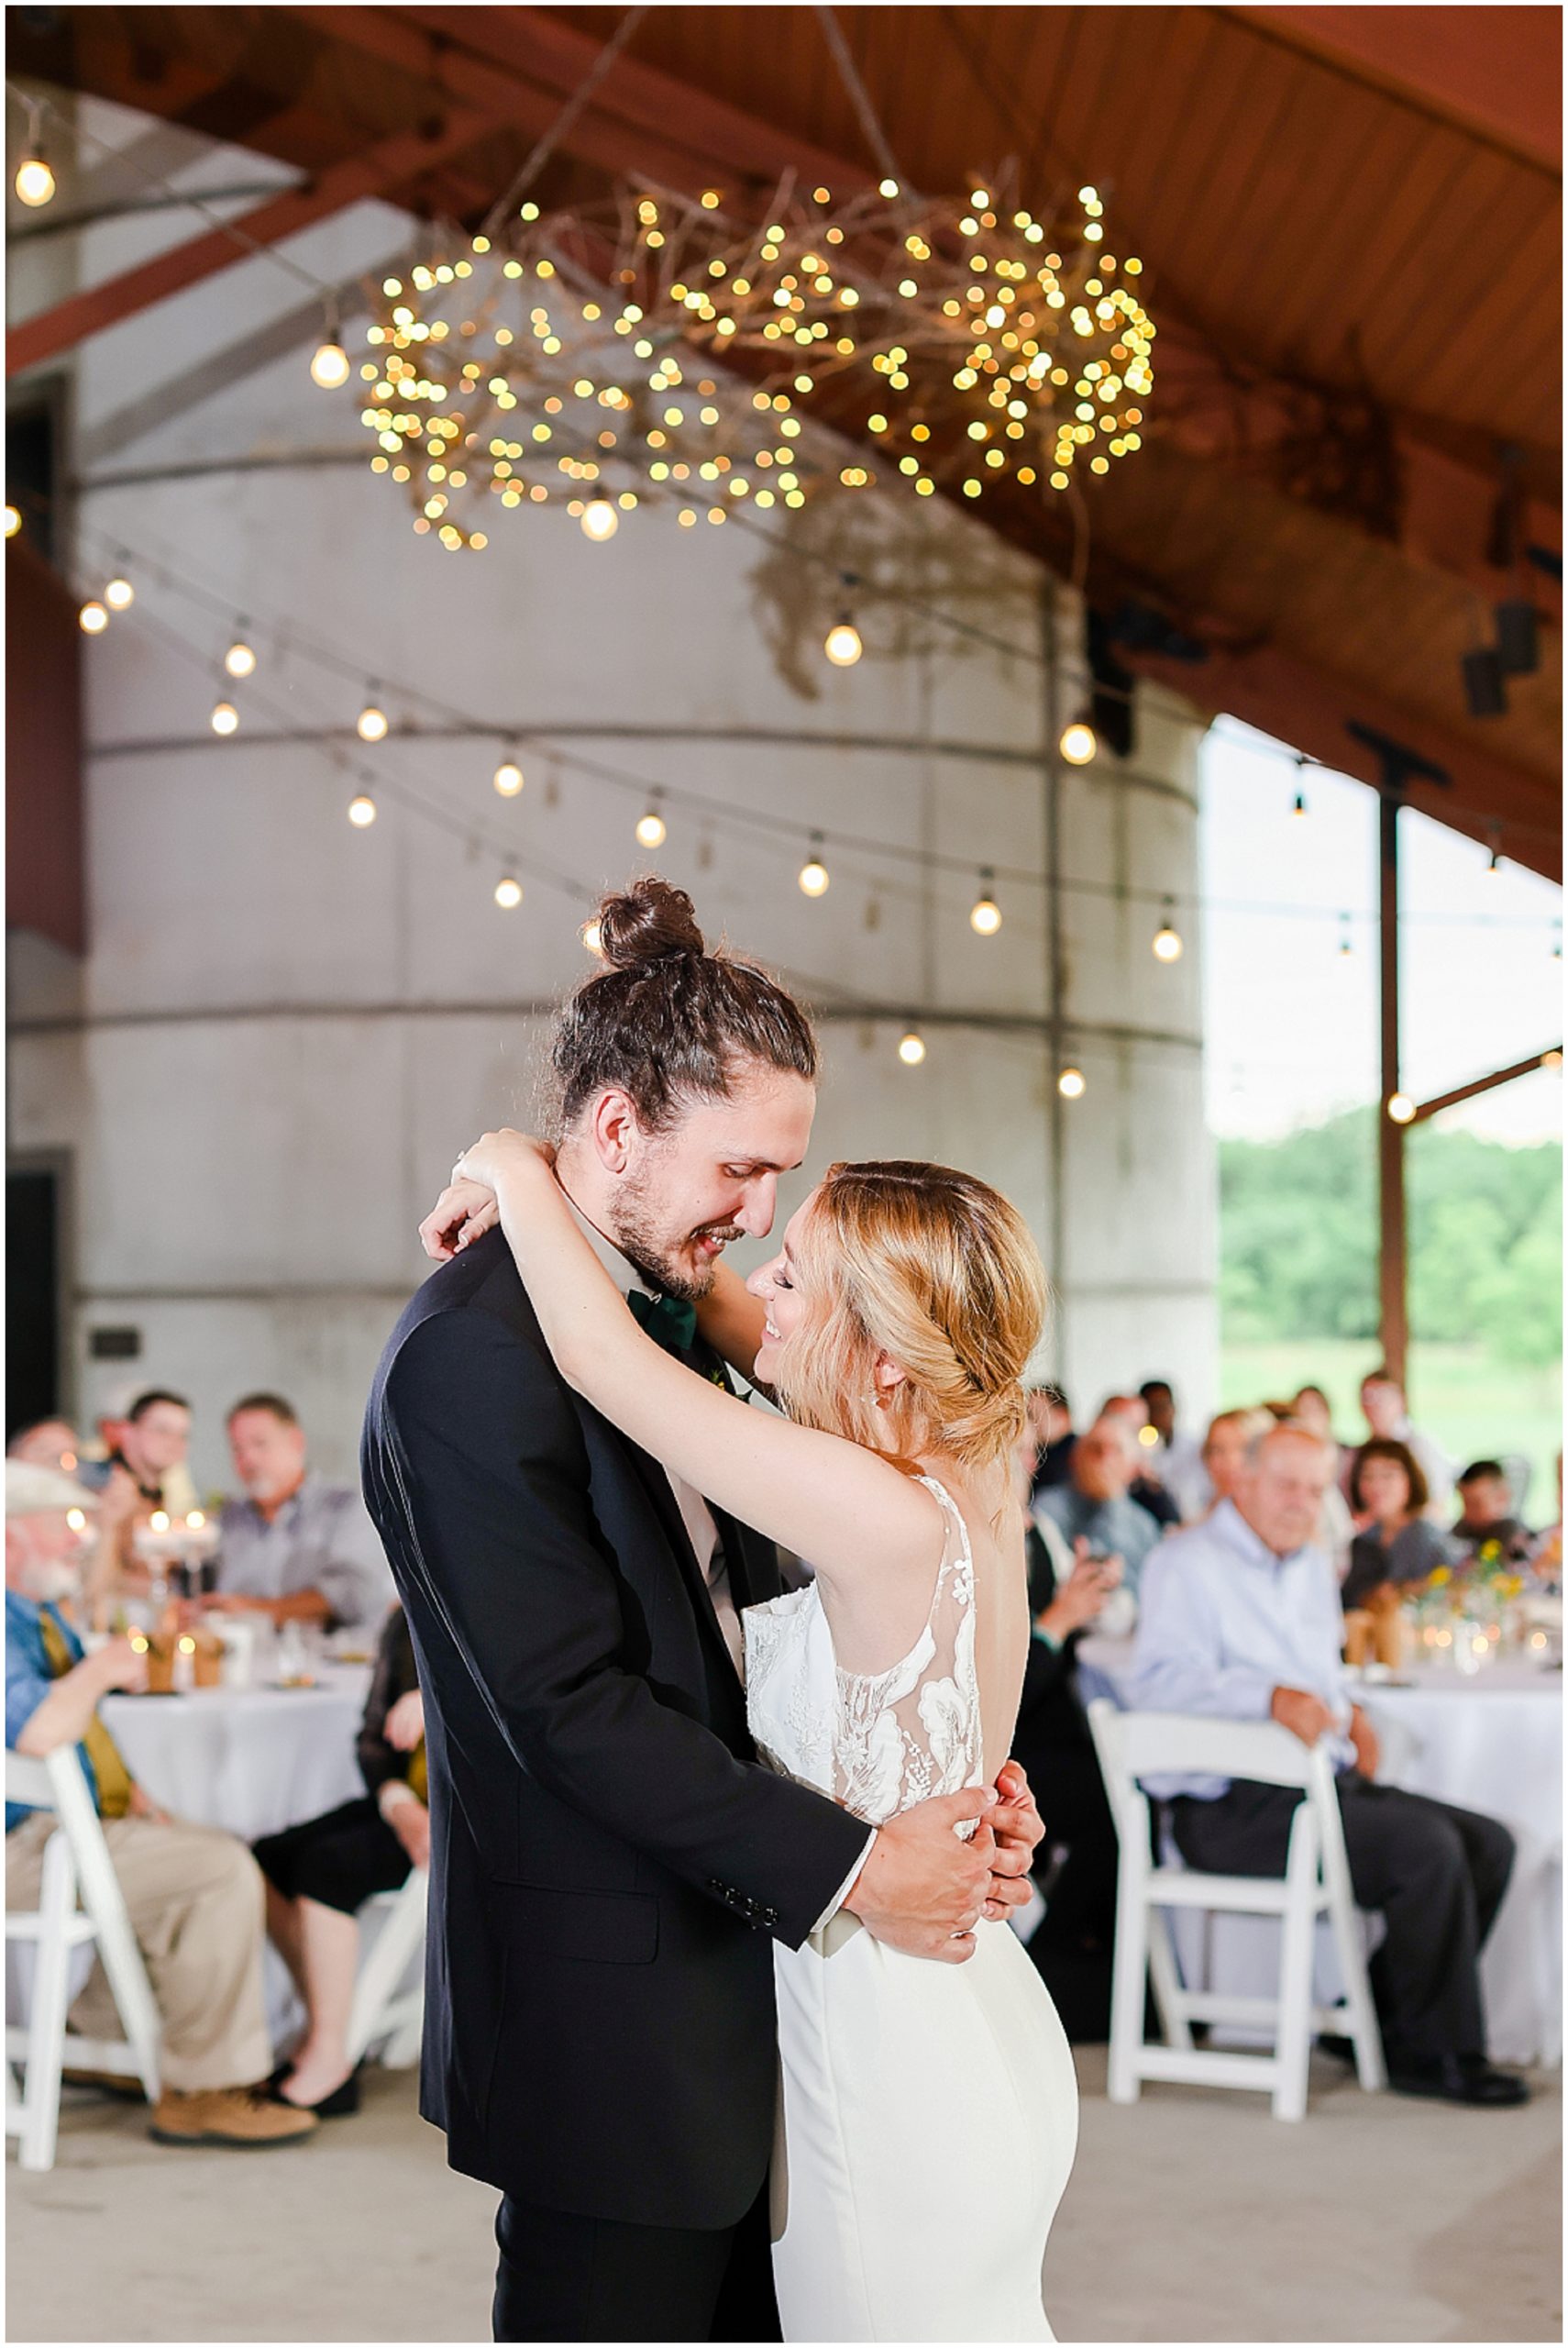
970	341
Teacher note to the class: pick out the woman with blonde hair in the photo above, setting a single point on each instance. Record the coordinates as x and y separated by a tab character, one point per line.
928	2110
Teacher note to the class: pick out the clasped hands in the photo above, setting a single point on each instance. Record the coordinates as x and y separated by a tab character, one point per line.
467	1207
923	1891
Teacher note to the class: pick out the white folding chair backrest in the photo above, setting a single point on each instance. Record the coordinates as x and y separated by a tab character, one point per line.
75	1864
383	2012
1134	1745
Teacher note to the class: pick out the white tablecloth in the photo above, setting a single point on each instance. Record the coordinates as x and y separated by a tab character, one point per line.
1491	1743
254	1760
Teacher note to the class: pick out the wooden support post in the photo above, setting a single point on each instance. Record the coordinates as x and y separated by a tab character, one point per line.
1394	1315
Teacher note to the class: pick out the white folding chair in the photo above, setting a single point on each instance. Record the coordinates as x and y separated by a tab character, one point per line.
384	2014
1316	1883
76	1864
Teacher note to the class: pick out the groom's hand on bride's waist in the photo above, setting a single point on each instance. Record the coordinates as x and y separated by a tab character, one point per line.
923	1889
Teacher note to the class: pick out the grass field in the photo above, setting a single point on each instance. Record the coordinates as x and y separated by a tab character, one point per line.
1471	1404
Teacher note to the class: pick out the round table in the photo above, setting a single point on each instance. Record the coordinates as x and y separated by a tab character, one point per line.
1492	1741
253	1760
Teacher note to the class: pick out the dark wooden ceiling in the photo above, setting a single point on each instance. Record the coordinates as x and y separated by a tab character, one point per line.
1349	218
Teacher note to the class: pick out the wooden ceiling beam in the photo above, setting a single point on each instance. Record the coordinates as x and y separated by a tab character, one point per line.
379	172
1493	71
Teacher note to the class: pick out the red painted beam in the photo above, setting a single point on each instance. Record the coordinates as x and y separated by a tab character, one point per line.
1492	69
379	171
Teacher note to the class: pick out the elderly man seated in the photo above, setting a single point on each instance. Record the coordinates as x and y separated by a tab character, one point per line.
296	1548
1093	1505
1240	1620
194	1895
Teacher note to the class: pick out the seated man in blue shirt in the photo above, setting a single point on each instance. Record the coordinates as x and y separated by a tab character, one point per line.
1240	1621
194	1895
1093	1505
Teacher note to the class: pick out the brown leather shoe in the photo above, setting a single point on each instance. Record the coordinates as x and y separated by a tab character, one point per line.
243	2117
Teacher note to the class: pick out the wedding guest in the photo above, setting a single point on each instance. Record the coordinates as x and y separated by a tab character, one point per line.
194	1895
47	1443
1178	1457
1240	1621
1486	1511
296	1548
1546	1556
320	1874
1388	1421
1051	1418
1094	1505
1396	1542
1147	1488
1072	1944
146	1470
1225	1450
1336	1530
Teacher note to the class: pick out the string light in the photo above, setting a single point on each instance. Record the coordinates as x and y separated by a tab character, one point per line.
1078	743
1401	1108
329	368
1167	942
508	892
508	778
600	520
371	723
1070	1084
92	619
843	644
13	520
814	874
911	1049
1494	861
593	939
652	829
224	718
35	182
362	810
119	594
239	660
985	913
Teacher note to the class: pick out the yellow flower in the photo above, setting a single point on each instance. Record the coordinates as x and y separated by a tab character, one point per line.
1439	1574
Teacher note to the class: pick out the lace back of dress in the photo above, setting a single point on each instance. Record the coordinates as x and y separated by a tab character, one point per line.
915	1730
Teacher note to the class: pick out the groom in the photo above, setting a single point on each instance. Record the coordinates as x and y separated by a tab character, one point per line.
609	1862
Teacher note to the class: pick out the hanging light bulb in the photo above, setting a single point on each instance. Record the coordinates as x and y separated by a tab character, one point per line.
119	594
508	892
35	182
1070	1084
593	939
985	913
224	718
92	619
1495	860
652	829
329	368
1079	742
508	778
362	810
1298	805
1401	1108
843	644
813	873
13	520
371	723
1166	941
911	1049
600	520
239	660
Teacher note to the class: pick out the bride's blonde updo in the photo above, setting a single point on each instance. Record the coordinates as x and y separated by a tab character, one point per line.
939	1272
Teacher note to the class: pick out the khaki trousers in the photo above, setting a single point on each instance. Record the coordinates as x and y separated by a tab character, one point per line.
196	1905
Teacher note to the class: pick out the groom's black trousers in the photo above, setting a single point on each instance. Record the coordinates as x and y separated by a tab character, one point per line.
562	2277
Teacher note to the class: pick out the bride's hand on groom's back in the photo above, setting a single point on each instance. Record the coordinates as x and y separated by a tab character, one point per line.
1018	1828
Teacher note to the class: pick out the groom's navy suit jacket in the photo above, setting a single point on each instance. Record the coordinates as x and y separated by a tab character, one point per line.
608	1861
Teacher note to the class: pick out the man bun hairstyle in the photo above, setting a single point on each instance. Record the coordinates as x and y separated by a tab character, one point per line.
666	1022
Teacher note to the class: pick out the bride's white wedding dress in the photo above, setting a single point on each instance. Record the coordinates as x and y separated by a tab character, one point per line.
929	2111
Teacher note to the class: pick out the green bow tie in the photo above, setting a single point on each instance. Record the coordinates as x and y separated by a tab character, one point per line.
667	1321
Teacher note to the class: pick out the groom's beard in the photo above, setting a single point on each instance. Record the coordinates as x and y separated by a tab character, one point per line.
664	1262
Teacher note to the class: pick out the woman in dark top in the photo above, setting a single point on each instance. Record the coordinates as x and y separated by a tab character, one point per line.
1395	1542
320	1874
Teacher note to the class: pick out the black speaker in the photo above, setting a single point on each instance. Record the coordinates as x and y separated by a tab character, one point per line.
1518	639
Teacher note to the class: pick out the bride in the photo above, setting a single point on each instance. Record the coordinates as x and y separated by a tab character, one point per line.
930	2110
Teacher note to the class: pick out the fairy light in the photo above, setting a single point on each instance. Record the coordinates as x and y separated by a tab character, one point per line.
119	594
240	660
652	829
508	778
92	619
592	938
1401	1109
843	644
329	367
600	520
813	873
911	1049
985	913
508	892
35	180
1166	944
1078	743
224	718
1070	1084
371	723
362	811
13	520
